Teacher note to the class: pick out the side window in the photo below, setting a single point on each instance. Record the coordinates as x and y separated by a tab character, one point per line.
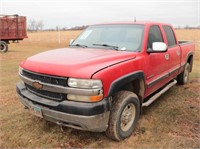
170	35
155	35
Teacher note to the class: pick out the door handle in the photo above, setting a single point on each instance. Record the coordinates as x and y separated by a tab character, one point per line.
167	56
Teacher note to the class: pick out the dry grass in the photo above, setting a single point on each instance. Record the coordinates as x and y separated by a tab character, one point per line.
170	122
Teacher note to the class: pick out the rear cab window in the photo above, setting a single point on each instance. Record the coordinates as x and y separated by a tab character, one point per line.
170	36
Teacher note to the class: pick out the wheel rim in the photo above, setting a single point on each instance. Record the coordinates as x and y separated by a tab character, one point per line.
186	74
127	117
2	47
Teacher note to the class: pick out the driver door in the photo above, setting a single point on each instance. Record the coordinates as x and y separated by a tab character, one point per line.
157	64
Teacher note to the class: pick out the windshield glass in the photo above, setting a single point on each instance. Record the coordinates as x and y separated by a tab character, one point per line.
118	37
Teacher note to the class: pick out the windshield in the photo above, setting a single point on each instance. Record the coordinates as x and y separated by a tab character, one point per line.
118	37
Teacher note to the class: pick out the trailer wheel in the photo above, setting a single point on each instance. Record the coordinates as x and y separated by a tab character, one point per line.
183	78
3	46
124	115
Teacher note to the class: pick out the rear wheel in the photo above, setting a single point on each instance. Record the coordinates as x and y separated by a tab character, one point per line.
124	115
183	78
3	46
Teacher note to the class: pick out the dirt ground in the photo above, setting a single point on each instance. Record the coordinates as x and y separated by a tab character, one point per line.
173	121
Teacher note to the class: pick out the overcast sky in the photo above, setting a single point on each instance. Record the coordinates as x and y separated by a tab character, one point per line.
71	13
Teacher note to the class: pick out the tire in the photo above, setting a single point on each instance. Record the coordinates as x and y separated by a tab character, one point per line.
3	46
183	78
124	115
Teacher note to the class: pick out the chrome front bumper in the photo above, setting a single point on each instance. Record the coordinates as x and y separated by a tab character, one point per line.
96	123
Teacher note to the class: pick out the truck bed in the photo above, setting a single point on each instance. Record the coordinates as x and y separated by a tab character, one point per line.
181	42
187	48
12	27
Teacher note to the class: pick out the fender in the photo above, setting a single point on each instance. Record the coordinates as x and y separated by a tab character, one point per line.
186	60
191	62
118	83
189	54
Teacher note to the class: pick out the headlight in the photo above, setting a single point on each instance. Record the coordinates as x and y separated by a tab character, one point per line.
20	70
81	98
84	83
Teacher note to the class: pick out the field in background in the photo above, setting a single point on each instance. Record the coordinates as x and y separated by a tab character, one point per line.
170	122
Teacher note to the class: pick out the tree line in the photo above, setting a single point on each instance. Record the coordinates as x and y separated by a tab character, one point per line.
34	26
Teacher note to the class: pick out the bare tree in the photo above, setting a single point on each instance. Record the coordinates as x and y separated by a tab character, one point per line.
39	25
32	25
35	25
187	27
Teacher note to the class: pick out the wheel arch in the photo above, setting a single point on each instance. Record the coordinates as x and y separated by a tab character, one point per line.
133	82
190	60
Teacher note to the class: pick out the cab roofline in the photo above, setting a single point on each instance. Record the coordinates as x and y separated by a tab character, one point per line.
132	22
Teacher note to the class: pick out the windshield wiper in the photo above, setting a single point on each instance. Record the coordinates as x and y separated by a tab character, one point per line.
106	45
79	45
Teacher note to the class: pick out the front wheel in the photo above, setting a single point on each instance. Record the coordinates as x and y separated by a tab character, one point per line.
3	46
124	115
183	78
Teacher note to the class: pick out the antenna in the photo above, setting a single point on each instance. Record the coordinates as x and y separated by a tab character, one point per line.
134	19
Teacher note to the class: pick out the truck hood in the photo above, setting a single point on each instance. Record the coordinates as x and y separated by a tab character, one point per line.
75	62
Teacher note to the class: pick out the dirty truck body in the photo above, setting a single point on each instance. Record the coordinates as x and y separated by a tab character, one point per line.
104	78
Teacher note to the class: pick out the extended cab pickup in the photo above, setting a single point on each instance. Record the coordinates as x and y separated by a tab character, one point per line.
104	78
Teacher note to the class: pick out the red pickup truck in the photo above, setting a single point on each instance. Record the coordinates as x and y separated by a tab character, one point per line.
104	78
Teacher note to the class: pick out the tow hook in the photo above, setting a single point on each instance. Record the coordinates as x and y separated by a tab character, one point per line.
60	125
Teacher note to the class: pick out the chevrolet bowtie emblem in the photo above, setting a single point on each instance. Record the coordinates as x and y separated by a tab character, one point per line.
37	85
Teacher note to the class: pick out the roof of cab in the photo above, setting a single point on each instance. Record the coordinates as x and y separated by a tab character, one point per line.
133	22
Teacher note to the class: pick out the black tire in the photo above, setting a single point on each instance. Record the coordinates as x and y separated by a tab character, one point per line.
124	101
183	78
3	46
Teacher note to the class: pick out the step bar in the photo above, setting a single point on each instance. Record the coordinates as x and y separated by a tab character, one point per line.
152	99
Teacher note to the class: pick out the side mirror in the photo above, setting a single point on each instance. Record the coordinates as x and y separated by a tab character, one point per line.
158	47
71	41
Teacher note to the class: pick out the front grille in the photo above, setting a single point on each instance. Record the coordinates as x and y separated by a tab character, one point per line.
47	94
46	79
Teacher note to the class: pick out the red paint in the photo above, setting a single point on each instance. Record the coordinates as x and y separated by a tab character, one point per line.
109	65
12	27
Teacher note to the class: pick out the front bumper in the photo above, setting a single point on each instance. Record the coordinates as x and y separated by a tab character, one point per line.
84	116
